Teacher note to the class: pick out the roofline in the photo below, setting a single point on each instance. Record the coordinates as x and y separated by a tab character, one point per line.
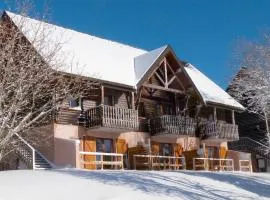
146	73
59	26
225	106
210	102
103	82
194	86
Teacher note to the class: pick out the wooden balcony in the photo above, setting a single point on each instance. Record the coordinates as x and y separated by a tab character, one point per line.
171	124
112	117
220	130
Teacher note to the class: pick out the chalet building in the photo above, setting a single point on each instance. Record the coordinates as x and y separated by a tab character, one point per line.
252	130
151	110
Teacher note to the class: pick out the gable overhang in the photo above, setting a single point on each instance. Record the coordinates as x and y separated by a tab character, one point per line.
225	106
211	103
149	72
189	78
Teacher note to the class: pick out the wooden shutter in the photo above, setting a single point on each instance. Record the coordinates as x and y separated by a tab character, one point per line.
155	148
205	152
222	152
178	150
89	146
121	146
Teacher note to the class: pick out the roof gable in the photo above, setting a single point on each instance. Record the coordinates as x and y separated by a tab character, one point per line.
144	62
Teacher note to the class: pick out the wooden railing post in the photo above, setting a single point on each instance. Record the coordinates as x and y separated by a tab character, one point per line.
122	161
101	158
34	158
134	161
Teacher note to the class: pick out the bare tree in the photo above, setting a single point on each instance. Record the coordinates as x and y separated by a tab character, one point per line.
31	82
251	86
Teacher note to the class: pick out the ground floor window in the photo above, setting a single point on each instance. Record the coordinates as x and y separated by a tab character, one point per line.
212	152
165	149
104	146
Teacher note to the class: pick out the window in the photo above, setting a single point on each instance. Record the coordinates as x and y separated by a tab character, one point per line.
164	109
165	149
109	100
104	146
74	102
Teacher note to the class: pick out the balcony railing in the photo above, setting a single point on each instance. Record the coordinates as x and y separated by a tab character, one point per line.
171	124
220	130
113	117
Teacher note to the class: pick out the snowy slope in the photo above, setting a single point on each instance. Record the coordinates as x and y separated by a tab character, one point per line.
131	185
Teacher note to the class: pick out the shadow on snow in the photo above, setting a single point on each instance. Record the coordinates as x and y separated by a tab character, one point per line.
187	188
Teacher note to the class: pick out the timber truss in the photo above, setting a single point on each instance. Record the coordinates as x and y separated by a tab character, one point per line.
164	78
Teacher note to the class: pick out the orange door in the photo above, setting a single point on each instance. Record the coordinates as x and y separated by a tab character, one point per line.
178	150
222	152
155	148
121	146
89	146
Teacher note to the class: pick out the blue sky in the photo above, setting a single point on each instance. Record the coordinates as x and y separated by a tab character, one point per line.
203	32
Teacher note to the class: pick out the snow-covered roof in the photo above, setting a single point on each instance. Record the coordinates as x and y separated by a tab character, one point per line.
143	62
209	91
83	54
107	60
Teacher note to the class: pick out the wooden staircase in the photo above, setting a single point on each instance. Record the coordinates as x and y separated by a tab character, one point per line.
249	145
30	156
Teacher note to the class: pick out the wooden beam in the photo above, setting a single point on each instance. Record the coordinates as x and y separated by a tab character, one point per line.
132	100
150	91
233	117
179	70
215	114
159	78
175	104
138	98
170	68
179	81
102	95
162	88
166	73
170	81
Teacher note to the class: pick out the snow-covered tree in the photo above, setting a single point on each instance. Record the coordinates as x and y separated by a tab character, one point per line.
31	85
251	86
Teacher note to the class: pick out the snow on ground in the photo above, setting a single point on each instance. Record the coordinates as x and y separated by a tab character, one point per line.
69	184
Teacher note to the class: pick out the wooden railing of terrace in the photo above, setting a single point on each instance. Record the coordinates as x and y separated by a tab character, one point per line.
99	160
172	124
113	117
159	162
213	164
220	130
